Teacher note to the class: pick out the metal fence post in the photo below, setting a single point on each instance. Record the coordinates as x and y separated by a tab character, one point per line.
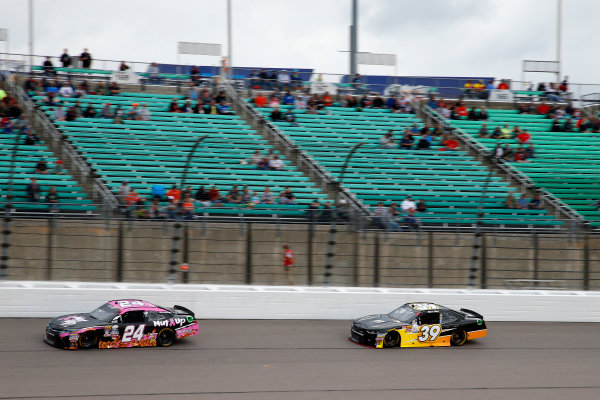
185	255
376	261
49	248
586	261
249	253
309	267
119	258
430	260
535	258
483	282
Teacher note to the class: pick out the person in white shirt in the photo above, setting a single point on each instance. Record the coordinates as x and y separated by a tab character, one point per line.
283	78
408	204
276	163
143	114
59	114
66	90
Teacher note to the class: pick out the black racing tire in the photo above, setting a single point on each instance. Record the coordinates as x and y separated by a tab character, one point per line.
165	337
391	339
88	340
459	337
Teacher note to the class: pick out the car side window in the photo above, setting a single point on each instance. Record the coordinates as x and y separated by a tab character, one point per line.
449	318
429	318
132	316
155	316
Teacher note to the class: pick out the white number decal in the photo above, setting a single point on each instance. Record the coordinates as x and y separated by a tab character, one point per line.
429	332
132	333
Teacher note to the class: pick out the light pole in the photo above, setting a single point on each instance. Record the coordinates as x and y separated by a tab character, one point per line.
334	217
177	226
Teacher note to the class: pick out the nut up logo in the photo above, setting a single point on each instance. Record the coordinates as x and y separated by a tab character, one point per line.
190	319
479	322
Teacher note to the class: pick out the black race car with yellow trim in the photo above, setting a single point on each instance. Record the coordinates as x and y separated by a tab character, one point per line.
419	325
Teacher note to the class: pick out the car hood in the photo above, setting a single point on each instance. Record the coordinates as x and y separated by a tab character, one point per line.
377	322
74	322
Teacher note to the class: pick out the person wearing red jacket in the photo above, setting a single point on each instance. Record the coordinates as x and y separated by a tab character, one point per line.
288	262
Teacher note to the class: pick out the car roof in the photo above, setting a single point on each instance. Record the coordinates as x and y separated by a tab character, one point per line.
134	304
425	306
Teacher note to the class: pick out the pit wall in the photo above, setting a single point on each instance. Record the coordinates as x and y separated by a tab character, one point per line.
27	299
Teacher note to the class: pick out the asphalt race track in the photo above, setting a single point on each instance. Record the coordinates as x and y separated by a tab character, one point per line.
291	360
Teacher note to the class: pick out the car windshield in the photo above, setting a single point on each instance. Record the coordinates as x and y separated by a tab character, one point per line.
403	314
105	312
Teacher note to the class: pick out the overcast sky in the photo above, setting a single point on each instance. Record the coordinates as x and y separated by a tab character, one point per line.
430	37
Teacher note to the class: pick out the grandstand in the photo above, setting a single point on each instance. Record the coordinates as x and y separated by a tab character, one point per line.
449	181
565	163
145	153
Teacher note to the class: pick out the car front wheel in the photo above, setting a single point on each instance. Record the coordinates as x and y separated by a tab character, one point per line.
87	340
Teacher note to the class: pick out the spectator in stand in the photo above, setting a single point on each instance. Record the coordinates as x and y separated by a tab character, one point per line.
118	115
211	108
357	84
552	93
114	89
66	90
195	74
52	199
377	102
202	196
535	203
80	92
89	112
30	138
421	206
260	100
392	214
473	114
274	101
66	59
380	212
424	142
408	204
133	112
30	85
224	108
263	164
483	114
41	167
174	192
173	107
49	67
507	152
153	74
123	192
498	151
522	203
568	125
483	131
530	151
312	212
233	196
143	114
188	208
59	113
86	59
123	67
276	164
411	221
131	203
276	115
71	114
479	90
521	155
407	142
158	192
255	158
288	99
556	125
297	81
468	88
503	85
33	190
267	196
283	80
101	89
290	117
510	201
214	195
59	168
387	141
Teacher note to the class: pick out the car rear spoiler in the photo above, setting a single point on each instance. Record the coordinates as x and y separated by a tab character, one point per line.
185	310
471	312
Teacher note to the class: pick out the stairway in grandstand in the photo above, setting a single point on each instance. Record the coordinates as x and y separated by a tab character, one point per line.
154	152
566	164
72	199
449	181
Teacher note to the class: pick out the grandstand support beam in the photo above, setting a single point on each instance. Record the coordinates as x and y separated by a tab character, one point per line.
229	39
558	37
334	216
477	237
354	39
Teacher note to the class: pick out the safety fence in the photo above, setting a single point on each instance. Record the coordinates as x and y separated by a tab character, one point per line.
252	253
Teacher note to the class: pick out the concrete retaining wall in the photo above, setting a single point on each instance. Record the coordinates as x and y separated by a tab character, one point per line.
49	299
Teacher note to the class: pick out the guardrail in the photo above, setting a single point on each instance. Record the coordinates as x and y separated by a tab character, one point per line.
51	299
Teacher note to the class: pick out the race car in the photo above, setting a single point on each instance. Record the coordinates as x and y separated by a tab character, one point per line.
419	325
122	323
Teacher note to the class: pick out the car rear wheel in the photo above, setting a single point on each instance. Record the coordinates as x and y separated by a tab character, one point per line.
87	340
166	337
459	337
391	339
